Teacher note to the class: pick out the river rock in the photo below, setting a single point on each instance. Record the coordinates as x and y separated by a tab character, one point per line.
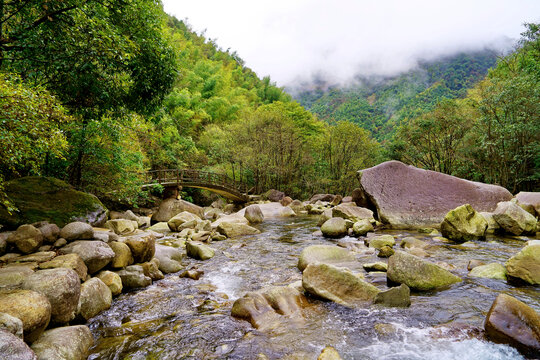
69	261
3	243
122	255
492	224
510	321
231	229
327	254
169	259
399	296
274	195
254	214
95	297
362	227
199	251
122	226
529	198
160	227
513	219
410	242
32	308
12	277
474	263
171	207
48	199
112	280
133	277
50	232
37	257
183	220
329	353
489	271
265	309
337	284
151	269
64	343
77	230
385	251
27	239
418	274
378	242
95	254
297	206
464	224
322	197
377	266
393	189
525	265
286	201
62	288
11	324
143	247
13	348
287	212
351	212
334	228
324	217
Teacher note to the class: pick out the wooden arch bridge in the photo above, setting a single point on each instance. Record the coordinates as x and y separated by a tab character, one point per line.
217	183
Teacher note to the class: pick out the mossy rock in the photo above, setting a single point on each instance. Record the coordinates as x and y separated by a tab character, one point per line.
48	199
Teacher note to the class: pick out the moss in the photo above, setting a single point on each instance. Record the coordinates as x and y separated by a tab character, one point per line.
44	198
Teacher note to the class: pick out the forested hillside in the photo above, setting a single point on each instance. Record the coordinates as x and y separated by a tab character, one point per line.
378	104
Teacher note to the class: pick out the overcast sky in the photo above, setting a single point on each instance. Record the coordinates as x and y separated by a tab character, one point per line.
290	40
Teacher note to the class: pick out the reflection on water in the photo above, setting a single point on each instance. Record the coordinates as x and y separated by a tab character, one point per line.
180	318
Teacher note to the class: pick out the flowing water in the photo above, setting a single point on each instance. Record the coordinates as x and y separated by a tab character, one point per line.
180	318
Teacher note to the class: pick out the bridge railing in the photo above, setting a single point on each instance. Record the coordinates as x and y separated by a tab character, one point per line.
193	176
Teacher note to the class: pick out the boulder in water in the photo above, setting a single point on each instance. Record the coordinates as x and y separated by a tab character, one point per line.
69	342
327	254
525	265
329	353
133	277
143	247
169	259
351	212
489	271
393	189
399	296
122	255
231	229
334	228
199	251
378	242
529	198
362	227
418	274
112	280
286	201
183	220
513	219
510	321
171	207
122	226
322	197
254	214
95	297
464	224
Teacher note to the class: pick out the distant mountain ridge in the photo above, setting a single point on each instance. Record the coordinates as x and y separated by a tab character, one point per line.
378	104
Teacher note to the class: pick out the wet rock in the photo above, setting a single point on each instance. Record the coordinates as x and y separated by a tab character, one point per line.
378	242
112	280
362	227
329	353
322	197
27	239
412	242
417	252
77	230
50	232
11	324
254	214
492	224
529	198
69	261
95	297
287	212
171	207
525	265
474	263
64	343
143	247
274	195
286	201
13	348
62	288
392	188
328	254
32	308
193	274
334	228
385	251
183	220
489	271
169	259
133	277
267	308
351	212
510	321
151	269
199	251
13	277
377	266
337	284
122	255
464	224
122	226
201	236
513	219
160	227
231	230
297	206
418	274
399	296
95	254
324	217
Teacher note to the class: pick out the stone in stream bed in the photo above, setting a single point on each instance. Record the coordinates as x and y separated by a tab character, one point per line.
385	251
269	307
489	271
525	265
143	247
362	227
329	353
378	242
69	261
133	277
329	254
334	228
232	229
510	321
112	280
337	284
418	274
513	219
399	296
27	239
122	255
377	266
95	254
169	259
254	214
95	297
463	224
69	342
199	251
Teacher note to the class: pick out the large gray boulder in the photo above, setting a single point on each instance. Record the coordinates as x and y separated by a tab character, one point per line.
95	254
406	196
327	254
531	199
183	220
171	207
64	343
463	224
13	348
169	259
418	274
513	219
62	288
95	297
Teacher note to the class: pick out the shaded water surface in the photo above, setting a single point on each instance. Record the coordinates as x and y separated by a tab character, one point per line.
180	318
